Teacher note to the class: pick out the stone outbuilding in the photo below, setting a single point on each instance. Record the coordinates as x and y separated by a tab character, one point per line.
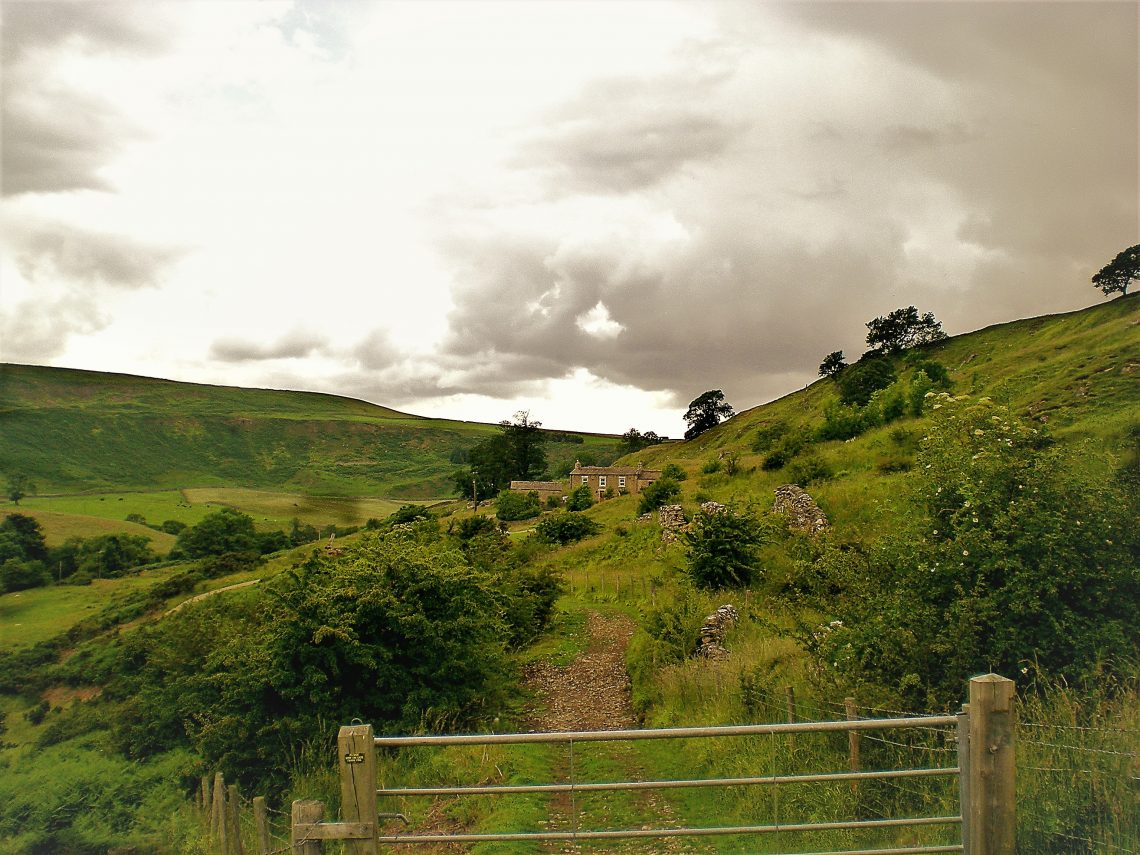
543	488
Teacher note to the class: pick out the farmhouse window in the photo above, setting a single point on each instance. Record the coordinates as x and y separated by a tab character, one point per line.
585	480
621	482
601	482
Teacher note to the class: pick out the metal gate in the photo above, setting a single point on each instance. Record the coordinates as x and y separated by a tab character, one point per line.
985	771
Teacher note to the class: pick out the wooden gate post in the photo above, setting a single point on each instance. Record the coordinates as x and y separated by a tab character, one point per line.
964	774
233	817
356	747
305	813
993	813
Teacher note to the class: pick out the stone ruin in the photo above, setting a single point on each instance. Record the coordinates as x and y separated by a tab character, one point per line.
801	510
672	520
710	642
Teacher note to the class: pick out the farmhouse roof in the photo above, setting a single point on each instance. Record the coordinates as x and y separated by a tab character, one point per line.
636	471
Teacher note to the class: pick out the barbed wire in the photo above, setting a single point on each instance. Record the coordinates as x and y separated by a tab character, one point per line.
1131	754
1071	771
1078	727
905	745
1093	842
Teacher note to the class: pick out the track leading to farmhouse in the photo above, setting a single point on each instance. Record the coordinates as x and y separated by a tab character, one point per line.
593	693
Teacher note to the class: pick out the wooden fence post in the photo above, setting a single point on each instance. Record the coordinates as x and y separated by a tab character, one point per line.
261	822
233	817
356	748
204	795
993	813
218	813
306	812
852	740
790	698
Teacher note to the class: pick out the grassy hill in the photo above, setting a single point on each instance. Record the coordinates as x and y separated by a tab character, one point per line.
82	431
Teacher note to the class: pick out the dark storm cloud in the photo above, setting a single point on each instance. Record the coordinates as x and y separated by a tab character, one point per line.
985	171
626	135
294	345
54	138
54	252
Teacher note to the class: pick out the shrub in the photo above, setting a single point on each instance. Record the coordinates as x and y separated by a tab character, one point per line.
660	492
553	502
223	531
842	422
723	549
859	381
710	466
809	468
580	498
566	528
785	450
935	371
517	506
767	436
672	470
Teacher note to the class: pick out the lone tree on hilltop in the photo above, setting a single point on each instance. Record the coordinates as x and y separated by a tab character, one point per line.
1116	275
705	412
832	364
903	328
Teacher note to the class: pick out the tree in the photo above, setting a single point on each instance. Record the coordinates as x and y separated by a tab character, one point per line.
223	531
705	412
723	548
566	528
832	364
517	453
19	485
580	498
1116	275
903	328
634	440
860	381
28	534
660	492
518	506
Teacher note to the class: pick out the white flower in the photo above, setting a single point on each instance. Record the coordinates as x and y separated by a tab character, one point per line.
965	552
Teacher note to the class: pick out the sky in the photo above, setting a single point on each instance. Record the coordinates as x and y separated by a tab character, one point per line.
594	211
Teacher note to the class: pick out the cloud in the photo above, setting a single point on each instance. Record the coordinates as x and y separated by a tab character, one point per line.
56	251
294	345
35	331
54	136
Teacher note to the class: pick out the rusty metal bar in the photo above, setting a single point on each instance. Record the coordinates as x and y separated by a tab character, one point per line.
672	732
667	785
671	832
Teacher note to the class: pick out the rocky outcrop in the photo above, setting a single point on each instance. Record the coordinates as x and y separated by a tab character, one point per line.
801	510
672	520
710	643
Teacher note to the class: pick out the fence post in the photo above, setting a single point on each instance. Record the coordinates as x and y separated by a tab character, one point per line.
204	795
852	740
993	815
356	748
218	813
261	822
964	774
306	812
233	817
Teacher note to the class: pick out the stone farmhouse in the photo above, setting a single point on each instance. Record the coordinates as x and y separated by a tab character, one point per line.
612	480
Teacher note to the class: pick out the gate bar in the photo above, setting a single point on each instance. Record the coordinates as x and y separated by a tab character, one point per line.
670	832
672	732
667	785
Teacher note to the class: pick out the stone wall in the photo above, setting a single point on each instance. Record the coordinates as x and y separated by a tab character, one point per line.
801	510
710	643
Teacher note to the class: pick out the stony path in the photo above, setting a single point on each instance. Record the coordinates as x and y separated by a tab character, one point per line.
593	693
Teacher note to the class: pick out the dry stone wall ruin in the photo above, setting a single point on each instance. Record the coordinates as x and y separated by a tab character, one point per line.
801	510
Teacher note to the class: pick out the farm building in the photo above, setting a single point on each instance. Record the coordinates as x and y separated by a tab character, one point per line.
612	480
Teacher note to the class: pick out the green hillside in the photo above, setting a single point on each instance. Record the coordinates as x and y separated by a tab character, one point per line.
80	431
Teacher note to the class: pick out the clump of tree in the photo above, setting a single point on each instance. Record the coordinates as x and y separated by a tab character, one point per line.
516	453
1016	557
832	364
1115	276
634	440
705	412
517	506
23	553
580	498
723	548
19	485
903	328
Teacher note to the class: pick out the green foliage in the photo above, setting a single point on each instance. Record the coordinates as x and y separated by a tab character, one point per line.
473	526
864	378
1115	276
723	549
580	498
19	485
788	447
673	471
809	468
566	528
517	506
710	466
903	328
832	364
1022	557
660	492
23	537
767	436
105	557
634	440
223	531
705	412
841	422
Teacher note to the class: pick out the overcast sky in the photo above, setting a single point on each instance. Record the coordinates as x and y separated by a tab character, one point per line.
592	210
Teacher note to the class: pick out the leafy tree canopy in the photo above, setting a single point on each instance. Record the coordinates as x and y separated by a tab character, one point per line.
223	531
1118	273
634	440
517	453
19	485
860	381
705	412
723	548
27	535
660	492
832	364
901	329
